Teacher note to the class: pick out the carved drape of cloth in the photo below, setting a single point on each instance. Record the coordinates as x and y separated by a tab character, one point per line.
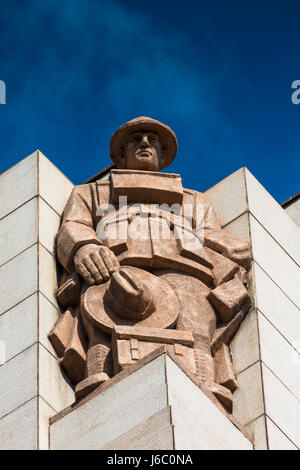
204	265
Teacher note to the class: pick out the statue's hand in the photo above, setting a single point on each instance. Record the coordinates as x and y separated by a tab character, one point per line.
95	263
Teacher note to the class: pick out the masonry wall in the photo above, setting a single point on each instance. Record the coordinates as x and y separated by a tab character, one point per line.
33	194
266	348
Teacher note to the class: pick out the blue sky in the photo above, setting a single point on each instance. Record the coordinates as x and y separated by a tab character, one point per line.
219	73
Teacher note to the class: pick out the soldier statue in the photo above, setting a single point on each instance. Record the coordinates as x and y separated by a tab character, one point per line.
146	264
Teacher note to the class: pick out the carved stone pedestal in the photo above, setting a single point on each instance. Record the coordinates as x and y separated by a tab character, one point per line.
151	405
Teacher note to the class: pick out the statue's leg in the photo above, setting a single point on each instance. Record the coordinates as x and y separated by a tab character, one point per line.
198	316
99	366
99	356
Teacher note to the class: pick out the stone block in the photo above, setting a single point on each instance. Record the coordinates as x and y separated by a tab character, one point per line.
45	412
273	217
18	380
18	184
282	407
18	429
48	315
53	387
277	440
248	402
47	275
259	432
18	278
49	222
281	268
18	231
228	197
18	327
279	356
196	419
35	175
240	226
277	307
54	187
245	345
293	211
154	433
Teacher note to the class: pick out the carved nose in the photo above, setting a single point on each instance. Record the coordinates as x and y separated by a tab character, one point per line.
145	142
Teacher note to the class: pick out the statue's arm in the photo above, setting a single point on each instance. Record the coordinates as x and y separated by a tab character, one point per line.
229	245
77	227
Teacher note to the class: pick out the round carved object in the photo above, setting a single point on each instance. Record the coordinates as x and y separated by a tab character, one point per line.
161	305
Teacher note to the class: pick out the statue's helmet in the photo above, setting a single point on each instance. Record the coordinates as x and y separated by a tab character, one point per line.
165	134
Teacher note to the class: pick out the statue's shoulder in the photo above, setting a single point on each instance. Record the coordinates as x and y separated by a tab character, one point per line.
91	188
199	198
84	188
87	194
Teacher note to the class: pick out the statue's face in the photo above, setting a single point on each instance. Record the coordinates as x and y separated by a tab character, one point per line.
143	151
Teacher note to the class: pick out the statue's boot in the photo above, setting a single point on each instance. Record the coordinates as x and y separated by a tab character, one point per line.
99	361
222	394
89	384
205	371
132	299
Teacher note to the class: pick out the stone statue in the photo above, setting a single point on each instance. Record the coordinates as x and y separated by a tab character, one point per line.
146	264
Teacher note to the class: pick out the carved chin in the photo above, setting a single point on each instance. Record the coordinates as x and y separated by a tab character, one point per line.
146	162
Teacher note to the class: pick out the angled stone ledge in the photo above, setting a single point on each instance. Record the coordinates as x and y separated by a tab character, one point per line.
33	176
140	398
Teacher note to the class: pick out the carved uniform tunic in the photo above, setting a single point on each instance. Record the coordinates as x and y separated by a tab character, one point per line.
80	222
